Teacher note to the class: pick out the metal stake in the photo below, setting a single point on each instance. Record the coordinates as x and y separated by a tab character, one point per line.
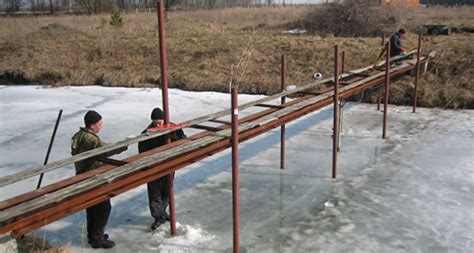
417	77
387	87
379	92
282	128
164	92
235	167
336	110
343	60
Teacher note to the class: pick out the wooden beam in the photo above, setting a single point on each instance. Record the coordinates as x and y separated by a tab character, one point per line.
110	161
270	106
207	128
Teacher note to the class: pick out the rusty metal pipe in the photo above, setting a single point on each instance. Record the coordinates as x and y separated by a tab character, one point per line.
387	91
283	100
343	60
163	60
379	92
336	110
164	92
235	167
417	76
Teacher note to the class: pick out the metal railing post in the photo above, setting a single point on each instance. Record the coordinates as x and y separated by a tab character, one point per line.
387	91
282	128
336	110
235	168
164	92
379	92
417	77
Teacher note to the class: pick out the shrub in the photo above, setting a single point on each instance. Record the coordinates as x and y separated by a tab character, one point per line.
116	20
357	18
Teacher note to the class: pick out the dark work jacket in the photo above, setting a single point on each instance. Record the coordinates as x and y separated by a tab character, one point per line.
396	45
160	140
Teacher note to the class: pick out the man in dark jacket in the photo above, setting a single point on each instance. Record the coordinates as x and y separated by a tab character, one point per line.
158	190
396	45
86	139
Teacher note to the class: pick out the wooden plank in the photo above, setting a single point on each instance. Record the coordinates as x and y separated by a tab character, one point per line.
207	128
62	184
110	161
270	106
312	93
220	121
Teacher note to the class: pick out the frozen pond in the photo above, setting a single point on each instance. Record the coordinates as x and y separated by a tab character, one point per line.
412	192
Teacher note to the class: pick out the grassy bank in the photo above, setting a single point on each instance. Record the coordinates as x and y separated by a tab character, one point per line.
202	44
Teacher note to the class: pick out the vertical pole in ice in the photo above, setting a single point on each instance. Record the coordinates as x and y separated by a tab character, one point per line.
343	67
235	167
282	128
387	91
379	92
336	110
164	92
343	60
417	77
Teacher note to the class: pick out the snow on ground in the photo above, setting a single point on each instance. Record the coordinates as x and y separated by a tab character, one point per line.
409	193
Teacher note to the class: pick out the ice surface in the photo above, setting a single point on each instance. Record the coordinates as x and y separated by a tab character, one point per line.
409	193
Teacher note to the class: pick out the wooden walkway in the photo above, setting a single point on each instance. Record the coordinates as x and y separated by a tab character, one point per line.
34	209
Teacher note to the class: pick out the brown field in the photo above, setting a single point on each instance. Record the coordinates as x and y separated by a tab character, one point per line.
202	44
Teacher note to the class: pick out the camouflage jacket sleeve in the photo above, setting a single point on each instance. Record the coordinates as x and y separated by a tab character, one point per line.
84	141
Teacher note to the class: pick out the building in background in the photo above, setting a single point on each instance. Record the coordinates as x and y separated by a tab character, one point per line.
401	3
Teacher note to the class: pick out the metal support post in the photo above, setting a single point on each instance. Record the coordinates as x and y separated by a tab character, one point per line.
282	128
336	110
379	92
235	167
387	91
50	146
341	118
417	76
164	92
339	130
343	61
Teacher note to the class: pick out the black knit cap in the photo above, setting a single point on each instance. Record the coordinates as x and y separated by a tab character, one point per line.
91	117
157	113
402	31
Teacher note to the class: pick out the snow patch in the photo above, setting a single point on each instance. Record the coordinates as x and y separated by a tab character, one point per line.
187	238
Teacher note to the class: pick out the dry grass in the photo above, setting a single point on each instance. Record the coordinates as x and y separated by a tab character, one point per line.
32	244
202	44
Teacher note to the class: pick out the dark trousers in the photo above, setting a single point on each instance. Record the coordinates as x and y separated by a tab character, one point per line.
97	217
158	197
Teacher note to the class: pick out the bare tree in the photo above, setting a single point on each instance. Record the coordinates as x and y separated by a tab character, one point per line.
51	9
12	6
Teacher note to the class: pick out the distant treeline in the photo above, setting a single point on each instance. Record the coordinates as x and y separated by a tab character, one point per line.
97	6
